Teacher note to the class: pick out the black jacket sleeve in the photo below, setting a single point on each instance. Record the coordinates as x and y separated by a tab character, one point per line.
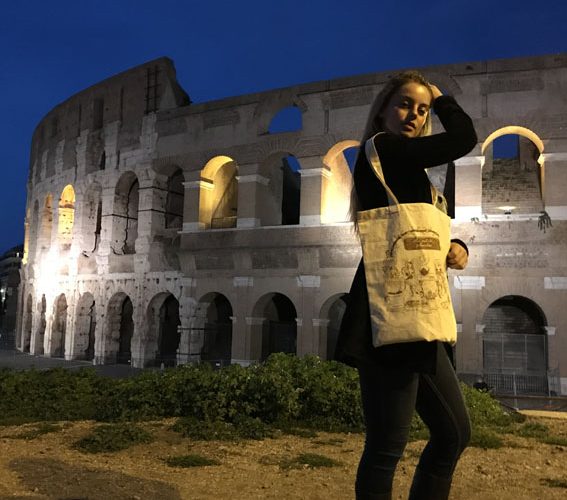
423	152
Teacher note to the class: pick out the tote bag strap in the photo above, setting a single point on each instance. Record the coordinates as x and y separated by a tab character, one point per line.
374	160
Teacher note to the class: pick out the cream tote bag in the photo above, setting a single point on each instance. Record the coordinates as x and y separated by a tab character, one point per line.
404	247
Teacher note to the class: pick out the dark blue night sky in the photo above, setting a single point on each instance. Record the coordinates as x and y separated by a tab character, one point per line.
53	49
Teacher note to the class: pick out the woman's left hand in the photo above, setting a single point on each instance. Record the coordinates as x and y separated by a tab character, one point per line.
457	258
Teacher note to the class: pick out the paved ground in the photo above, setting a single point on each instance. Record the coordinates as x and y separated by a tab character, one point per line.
23	361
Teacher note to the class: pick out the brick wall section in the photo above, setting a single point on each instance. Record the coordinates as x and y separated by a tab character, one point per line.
508	184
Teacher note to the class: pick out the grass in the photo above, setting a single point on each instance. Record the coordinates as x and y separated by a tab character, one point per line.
309	460
329	442
113	437
485	438
40	430
554	483
192	460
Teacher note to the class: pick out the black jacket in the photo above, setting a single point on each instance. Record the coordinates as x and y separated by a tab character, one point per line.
404	161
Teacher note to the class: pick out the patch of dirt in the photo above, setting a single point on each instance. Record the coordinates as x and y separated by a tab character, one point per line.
47	467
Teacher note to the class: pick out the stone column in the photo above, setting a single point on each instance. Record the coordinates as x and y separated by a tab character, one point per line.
554	170
191	203
314	176
320	328
307	341
151	219
468	188
240	330
107	220
251	187
187	311
253	344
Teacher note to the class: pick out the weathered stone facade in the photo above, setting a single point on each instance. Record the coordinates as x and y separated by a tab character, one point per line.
160	231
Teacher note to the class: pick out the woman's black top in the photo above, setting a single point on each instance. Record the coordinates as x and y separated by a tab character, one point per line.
404	161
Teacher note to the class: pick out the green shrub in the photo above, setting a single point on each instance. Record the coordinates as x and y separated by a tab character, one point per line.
113	437
485	411
190	461
243	427
205	430
485	438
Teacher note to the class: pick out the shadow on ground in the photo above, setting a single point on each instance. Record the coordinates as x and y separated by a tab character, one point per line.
53	479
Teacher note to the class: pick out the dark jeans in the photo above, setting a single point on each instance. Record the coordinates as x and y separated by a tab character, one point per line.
389	398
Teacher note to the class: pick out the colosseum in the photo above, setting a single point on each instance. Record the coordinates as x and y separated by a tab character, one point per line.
161	231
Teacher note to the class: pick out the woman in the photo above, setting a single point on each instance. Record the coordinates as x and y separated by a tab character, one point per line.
395	379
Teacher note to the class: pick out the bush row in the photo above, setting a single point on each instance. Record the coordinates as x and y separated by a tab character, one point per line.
321	394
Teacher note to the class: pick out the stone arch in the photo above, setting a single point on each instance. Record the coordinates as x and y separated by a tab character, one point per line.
120	329
515	344
218	198
46	224
59	327
272	103
331	316
125	215
85	326
276	317
526	167
66	216
286	119
163	335
41	325
335	199
27	324
283	193
215	318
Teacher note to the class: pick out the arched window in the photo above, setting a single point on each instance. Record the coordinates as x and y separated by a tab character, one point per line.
286	120
512	181
66	216
218	200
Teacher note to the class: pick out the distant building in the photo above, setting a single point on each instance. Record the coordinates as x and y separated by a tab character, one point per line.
10	264
160	231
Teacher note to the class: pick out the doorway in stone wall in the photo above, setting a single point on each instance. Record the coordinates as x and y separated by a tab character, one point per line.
124	355
515	346
217	340
168	337
59	327
279	329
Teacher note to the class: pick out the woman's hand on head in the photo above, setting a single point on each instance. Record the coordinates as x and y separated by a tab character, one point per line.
435	91
457	258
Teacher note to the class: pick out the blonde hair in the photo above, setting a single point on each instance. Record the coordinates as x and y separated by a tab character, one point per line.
374	123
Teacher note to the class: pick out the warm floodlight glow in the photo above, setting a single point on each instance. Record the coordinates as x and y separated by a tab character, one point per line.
218	197
66	214
47	274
